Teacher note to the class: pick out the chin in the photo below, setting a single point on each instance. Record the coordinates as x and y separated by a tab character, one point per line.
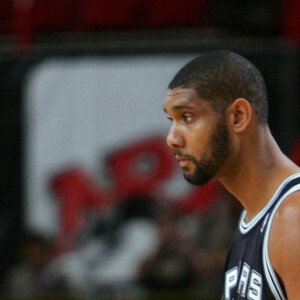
197	180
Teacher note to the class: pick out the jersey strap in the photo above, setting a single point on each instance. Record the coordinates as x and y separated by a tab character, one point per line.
245	227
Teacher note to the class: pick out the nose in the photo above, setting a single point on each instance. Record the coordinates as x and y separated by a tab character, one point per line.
174	138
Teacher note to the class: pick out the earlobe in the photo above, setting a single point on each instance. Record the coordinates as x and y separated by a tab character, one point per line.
240	114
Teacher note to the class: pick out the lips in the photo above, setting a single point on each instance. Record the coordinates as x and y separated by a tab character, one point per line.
183	161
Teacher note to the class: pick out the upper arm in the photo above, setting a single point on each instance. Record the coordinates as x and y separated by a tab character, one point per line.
284	244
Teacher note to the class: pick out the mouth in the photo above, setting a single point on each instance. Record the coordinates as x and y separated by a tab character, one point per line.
183	161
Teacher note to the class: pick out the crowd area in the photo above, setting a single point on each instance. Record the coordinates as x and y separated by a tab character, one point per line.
138	247
252	17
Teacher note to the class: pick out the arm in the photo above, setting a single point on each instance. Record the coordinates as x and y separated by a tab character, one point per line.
284	244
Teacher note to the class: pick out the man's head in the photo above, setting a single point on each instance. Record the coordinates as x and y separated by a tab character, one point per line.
220	77
207	93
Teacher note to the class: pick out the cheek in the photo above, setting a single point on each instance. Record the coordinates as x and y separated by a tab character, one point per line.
200	140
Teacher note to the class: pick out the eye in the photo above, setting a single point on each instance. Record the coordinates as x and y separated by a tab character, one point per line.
188	117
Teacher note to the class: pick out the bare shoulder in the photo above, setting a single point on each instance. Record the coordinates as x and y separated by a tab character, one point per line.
284	244
287	216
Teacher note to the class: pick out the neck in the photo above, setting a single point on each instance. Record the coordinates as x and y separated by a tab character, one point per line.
257	172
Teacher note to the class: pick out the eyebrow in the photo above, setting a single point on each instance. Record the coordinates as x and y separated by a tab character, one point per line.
179	107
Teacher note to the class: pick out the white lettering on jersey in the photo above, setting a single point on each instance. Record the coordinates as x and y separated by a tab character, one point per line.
250	281
231	278
244	280
255	286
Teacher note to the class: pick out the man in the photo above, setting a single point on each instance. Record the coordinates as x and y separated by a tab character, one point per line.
218	107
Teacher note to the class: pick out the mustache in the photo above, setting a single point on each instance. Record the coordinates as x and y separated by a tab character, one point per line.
180	153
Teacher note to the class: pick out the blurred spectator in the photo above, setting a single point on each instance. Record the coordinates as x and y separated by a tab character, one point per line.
107	255
215	231
135	238
192	248
171	266
30	277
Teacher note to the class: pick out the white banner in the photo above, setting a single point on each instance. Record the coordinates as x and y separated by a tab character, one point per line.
77	109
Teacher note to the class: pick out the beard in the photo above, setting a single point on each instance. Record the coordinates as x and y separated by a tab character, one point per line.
215	154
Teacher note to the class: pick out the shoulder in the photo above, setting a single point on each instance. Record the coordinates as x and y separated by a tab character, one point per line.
284	242
287	217
285	230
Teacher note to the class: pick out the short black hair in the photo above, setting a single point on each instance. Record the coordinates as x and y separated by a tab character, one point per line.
221	77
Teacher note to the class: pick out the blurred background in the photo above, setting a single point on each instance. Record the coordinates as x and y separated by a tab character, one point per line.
92	203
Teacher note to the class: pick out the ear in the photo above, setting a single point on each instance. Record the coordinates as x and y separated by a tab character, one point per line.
240	113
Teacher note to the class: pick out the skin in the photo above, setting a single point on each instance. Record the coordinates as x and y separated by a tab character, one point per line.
252	171
201	165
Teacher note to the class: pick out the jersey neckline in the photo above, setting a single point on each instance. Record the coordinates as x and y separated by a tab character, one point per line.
244	226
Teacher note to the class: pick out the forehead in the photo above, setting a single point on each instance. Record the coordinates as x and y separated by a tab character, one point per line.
180	97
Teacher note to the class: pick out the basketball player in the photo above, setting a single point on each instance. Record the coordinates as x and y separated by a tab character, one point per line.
217	105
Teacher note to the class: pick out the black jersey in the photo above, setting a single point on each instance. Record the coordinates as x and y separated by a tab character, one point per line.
248	271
